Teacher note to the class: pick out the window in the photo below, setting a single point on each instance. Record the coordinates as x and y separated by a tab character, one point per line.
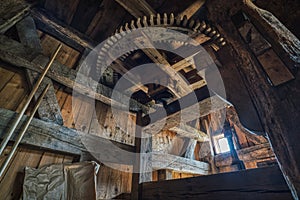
223	145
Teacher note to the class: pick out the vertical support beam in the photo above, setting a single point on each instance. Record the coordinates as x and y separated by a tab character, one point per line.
142	169
164	174
283	41
276	106
190	150
49	109
214	169
234	155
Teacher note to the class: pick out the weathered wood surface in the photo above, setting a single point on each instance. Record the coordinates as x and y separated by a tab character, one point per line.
190	132
49	109
57	138
274	67
179	164
285	43
61	31
260	184
255	153
184	110
192	9
12	12
232	116
276	107
14	53
142	168
137	8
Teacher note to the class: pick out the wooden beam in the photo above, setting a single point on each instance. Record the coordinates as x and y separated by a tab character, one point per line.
18	57
179	164
137	8
190	132
232	116
188	111
49	109
261	183
12	13
192	9
254	153
164	174
61	31
284	42
180	88
277	107
61	139
142	168
190	150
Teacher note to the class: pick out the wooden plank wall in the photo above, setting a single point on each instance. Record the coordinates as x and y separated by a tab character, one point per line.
14	89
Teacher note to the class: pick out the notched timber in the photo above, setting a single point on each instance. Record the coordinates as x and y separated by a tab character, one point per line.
49	109
179	164
61	139
65	76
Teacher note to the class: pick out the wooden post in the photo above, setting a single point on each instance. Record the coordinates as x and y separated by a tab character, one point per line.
214	169
164	174
276	106
49	109
142	169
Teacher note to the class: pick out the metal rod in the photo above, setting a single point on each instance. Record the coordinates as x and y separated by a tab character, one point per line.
23	131
35	88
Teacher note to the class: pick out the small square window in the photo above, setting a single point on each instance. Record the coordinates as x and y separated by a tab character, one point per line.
223	145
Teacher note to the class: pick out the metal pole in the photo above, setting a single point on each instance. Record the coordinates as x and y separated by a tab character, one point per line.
35	88
23	131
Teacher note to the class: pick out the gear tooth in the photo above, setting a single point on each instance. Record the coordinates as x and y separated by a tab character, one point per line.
114	38
212	33
110	42
220	40
191	24
152	20
203	26
207	30
178	20
197	25
216	36
158	19
138	23
132	25
107	46
121	29
127	27
185	21
223	43
165	19
172	18
145	23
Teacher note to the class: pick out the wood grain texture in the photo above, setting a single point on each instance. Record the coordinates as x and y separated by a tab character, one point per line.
260	184
58	138
49	109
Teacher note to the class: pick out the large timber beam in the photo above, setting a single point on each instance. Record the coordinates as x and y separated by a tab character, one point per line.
61	139
11	13
49	109
276	106
63	32
261	183
179	164
137	8
184	110
255	153
190	132
16	54
284	42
